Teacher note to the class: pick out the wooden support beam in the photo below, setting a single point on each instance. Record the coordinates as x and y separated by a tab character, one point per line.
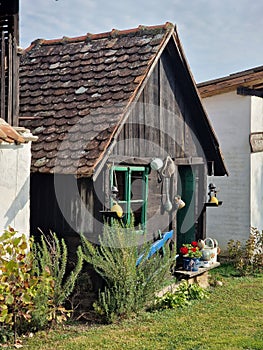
3	96
9	84
15	83
9	81
245	91
248	79
189	161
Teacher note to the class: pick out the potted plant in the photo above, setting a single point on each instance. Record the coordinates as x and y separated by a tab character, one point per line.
191	255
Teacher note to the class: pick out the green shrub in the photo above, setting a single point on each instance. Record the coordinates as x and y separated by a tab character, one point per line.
33	286
248	258
51	256
18	282
183	296
129	288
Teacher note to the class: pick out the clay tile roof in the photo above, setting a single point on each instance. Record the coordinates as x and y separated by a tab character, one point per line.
77	90
8	134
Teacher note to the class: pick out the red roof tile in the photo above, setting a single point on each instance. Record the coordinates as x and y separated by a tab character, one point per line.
78	88
8	134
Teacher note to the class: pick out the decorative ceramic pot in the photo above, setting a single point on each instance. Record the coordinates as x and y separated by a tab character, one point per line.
191	264
210	250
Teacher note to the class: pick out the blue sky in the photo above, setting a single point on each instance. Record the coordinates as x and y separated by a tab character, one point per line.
220	37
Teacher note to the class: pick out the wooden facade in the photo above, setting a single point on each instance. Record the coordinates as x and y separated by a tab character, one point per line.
69	205
111	103
159	124
9	61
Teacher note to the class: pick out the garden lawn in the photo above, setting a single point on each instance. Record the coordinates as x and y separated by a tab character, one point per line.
232	318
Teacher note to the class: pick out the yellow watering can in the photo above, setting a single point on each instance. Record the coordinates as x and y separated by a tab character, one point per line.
117	209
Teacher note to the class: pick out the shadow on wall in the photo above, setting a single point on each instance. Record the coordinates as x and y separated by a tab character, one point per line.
19	202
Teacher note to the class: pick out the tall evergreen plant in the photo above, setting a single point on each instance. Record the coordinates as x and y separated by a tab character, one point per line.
51	255
128	288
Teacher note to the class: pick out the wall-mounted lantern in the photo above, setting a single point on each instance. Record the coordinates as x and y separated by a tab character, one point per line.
212	196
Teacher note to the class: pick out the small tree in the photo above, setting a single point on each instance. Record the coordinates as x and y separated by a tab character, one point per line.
128	288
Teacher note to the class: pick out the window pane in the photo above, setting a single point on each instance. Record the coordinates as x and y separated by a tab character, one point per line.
136	209
131	183
137	185
120	179
123	206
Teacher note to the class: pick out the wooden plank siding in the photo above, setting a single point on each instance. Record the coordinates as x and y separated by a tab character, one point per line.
70	206
152	129
9	65
2	78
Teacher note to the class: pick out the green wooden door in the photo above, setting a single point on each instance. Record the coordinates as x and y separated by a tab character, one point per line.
186	215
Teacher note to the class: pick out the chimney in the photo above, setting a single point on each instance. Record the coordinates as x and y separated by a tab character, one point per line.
9	62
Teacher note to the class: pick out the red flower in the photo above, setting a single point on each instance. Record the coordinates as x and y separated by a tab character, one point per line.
194	244
194	249
184	250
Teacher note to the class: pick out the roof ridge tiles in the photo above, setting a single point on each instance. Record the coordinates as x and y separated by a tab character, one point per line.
90	36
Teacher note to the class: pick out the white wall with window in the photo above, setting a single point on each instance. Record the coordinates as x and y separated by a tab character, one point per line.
15	163
230	115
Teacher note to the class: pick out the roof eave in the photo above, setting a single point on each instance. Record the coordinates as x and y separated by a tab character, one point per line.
248	78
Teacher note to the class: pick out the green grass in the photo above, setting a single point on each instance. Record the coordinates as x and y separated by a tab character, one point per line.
232	318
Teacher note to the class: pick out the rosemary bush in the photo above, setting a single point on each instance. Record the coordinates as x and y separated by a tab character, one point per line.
51	256
128	288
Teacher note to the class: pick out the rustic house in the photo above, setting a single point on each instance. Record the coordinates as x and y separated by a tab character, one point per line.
235	106
117	115
15	141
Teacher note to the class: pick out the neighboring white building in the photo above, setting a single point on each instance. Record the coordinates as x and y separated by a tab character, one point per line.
235	107
15	160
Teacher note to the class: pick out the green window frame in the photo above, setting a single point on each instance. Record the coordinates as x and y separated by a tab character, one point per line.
133	195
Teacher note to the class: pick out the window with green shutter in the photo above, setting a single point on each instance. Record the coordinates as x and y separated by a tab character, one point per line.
132	185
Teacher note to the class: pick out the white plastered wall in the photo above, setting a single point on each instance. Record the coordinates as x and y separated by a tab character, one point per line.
229	114
256	184
14	186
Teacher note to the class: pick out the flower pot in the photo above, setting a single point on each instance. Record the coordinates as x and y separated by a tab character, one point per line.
191	264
